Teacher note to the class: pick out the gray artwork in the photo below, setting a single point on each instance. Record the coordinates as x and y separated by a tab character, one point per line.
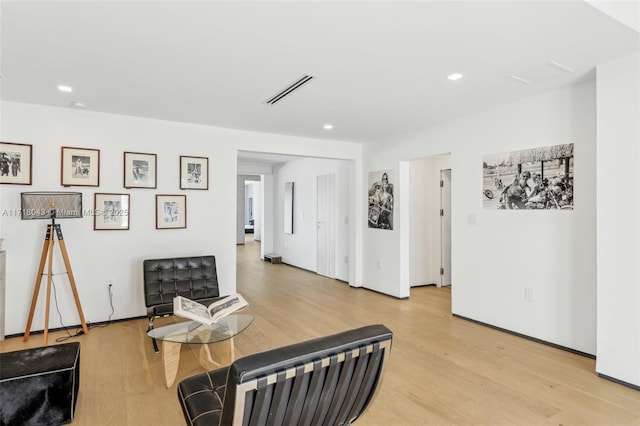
530	179
380	215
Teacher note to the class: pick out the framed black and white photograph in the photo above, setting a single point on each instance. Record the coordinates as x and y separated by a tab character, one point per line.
111	212
380	215
140	170
15	163
80	167
171	211
530	179
194	172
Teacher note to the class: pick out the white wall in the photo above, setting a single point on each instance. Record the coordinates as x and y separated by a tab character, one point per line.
618	269
550	251
240	203
300	249
268	219
100	255
424	216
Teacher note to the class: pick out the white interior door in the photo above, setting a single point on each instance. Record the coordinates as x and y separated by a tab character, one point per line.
325	222
445	219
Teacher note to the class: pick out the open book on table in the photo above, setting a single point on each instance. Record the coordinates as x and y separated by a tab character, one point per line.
193	310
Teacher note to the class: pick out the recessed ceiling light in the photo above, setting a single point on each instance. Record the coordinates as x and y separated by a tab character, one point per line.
63	88
78	104
328	126
455	76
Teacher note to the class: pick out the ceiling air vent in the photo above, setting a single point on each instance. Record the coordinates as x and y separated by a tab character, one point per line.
288	90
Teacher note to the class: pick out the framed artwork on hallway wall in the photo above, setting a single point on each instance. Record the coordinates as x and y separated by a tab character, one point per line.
529	179
380	214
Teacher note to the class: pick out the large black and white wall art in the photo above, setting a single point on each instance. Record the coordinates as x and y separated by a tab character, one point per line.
380	214
536	178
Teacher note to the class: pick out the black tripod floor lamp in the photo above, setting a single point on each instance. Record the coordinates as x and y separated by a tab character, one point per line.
52	205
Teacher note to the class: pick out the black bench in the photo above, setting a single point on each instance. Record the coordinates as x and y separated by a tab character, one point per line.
193	277
39	386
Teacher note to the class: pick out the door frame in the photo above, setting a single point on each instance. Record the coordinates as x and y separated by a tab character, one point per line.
325	220
445	228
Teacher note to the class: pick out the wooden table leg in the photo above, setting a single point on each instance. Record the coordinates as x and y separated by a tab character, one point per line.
171	359
223	351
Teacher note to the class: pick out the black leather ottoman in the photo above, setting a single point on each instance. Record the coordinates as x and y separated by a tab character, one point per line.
39	386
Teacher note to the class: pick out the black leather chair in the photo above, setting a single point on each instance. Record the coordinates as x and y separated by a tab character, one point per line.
326	381
193	277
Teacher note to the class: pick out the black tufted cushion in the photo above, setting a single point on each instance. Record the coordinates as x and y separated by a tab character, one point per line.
192	277
202	397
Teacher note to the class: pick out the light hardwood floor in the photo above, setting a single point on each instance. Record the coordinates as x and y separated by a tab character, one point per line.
442	370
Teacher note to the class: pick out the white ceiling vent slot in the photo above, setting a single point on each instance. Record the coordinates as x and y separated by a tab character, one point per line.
288	90
560	67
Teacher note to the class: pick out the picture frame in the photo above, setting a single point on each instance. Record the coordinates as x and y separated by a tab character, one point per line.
381	200
79	166
140	170
171	211
538	178
194	172
111	212
15	163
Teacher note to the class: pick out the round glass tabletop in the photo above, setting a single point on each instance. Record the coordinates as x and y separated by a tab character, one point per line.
198	333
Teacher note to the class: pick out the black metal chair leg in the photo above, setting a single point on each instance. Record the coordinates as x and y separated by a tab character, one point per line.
155	344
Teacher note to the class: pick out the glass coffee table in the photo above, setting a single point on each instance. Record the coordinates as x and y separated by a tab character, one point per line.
173	336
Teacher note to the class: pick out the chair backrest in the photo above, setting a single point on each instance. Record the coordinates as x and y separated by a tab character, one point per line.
193	277
326	381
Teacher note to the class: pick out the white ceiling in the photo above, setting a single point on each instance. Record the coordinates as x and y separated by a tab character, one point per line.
380	68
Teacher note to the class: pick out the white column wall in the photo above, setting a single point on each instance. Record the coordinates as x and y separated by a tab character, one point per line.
425	232
618	267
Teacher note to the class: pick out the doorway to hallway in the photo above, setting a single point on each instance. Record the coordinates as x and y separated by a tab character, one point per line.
429	236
